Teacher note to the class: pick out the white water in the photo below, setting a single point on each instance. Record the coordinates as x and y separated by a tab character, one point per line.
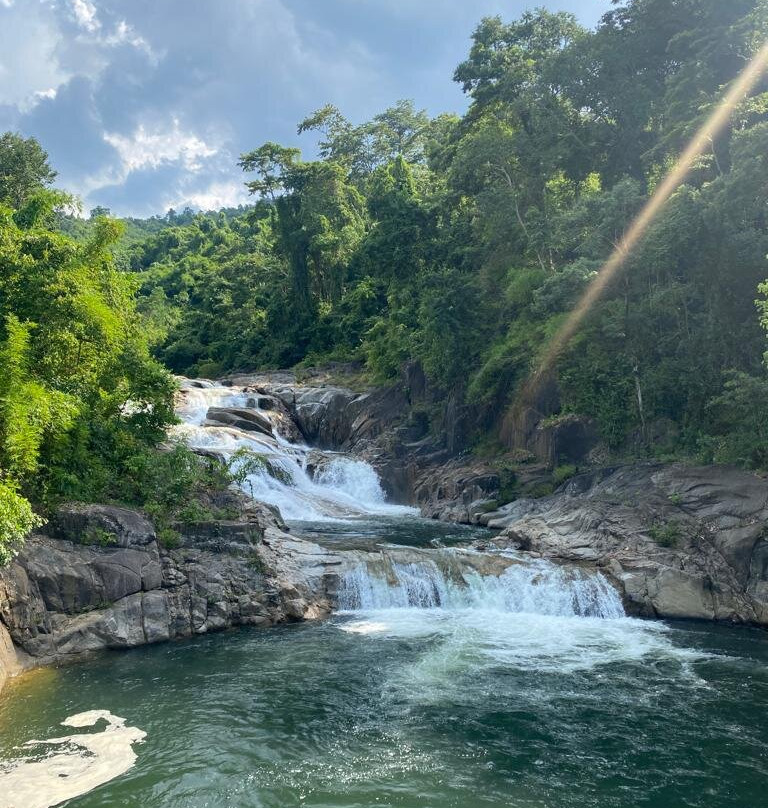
535	616
534	587
342	489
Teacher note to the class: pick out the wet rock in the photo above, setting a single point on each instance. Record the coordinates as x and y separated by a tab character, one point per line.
249	420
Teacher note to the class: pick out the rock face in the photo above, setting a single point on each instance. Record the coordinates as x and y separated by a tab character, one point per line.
247	419
102	581
678	541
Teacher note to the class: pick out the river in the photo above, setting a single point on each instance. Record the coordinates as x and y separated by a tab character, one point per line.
426	689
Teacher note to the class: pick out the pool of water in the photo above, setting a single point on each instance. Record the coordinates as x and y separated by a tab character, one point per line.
364	533
433	708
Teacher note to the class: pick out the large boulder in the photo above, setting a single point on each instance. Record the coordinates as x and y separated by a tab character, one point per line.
678	541
102	525
247	419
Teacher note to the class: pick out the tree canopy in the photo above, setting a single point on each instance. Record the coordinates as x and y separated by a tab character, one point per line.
457	242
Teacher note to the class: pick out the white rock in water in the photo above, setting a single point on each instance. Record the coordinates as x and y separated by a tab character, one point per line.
90	760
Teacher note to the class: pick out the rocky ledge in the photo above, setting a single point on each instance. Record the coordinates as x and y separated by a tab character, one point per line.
678	541
100	579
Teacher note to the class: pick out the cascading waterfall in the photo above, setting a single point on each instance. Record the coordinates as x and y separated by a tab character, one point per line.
535	616
535	587
343	488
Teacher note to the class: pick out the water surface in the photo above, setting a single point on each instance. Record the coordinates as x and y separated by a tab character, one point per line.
458	706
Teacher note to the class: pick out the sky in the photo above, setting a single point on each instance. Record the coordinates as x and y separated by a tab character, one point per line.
144	105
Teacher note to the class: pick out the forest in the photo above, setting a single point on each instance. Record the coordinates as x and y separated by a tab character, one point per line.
458	242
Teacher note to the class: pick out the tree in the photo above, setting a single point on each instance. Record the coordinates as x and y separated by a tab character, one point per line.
270	163
24	169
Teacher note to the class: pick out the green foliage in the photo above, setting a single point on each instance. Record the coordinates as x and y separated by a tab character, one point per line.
539	490
99	537
737	428
463	243
24	169
563	473
666	534
169	538
17	519
80	396
508	487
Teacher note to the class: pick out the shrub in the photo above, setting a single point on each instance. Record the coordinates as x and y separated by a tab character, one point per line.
563	473
169	538
667	534
99	537
17	519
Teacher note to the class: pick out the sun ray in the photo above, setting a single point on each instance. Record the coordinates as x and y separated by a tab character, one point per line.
741	87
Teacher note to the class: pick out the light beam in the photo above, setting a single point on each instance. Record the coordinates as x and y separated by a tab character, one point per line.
742	87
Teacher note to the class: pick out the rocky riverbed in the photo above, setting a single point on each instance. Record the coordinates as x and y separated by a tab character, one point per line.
676	541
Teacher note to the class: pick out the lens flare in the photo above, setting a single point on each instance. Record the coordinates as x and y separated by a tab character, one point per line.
742	87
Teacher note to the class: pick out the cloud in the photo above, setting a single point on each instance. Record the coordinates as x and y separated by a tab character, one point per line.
29	64
149	149
219	194
85	14
143	104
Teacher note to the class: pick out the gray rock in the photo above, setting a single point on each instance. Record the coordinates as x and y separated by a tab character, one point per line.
249	420
97	524
678	541
60	598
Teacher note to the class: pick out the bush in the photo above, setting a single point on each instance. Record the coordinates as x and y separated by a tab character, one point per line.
17	519
563	473
169	538
667	534
99	537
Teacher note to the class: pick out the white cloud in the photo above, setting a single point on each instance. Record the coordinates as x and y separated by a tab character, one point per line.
125	34
50	94
150	149
85	14
223	194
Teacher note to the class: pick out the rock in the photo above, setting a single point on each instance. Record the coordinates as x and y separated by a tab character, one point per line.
249	420
102	524
60	598
678	541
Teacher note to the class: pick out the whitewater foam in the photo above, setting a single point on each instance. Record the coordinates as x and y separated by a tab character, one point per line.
535	616
343	488
86	761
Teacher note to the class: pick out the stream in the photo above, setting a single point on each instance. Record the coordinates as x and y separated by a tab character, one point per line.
433	685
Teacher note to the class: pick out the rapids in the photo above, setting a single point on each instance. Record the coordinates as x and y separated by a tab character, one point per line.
447	678
343	488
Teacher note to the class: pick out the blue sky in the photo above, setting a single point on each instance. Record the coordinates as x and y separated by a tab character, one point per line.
146	104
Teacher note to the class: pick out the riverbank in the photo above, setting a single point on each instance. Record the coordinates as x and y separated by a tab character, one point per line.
675	541
101	579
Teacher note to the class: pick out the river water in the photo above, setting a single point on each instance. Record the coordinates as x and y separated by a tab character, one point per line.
429	689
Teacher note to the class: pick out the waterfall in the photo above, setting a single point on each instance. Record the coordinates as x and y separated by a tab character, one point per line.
534	587
278	470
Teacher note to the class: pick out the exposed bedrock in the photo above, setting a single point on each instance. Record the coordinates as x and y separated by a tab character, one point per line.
677	540
101	580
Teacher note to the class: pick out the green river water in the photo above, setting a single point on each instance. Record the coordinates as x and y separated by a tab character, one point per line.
462	705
